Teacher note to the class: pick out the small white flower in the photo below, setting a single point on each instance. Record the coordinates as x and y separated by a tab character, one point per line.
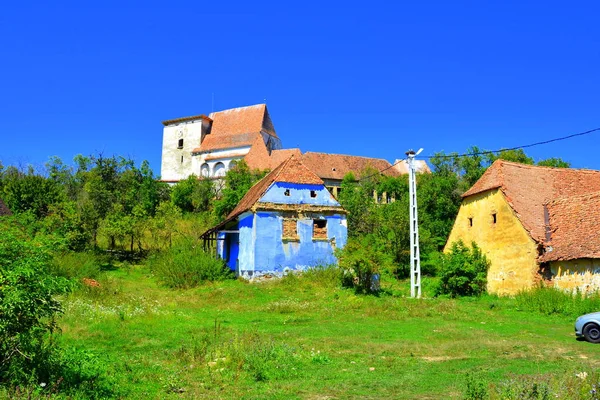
43	384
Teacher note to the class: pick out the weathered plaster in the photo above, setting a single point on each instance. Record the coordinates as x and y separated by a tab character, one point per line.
581	275
275	255
298	194
176	162
506	243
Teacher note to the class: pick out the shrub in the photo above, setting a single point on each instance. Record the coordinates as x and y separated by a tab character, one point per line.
27	307
186	265
361	261
463	271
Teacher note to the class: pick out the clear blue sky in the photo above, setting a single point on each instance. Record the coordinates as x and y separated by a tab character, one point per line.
366	79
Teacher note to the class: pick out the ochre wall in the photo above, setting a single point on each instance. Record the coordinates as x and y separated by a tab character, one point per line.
576	275
506	243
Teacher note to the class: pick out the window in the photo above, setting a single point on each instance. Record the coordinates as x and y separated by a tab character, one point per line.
204	170
494	218
470	221
219	169
180	144
313	193
182	159
319	229
290	229
286	192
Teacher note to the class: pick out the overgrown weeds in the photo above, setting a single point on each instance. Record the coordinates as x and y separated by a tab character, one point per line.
548	300
186	265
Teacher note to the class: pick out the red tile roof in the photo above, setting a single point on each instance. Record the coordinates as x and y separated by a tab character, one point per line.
237	127
291	170
575	228
336	166
258	157
527	188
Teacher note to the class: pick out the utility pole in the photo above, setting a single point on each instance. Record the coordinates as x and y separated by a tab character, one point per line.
415	255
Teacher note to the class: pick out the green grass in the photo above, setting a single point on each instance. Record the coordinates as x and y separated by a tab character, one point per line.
306	338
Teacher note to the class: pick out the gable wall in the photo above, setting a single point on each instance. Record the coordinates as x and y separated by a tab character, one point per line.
512	252
298	194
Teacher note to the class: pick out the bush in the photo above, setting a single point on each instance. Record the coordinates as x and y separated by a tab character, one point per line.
361	261
463	271
27	307
186	265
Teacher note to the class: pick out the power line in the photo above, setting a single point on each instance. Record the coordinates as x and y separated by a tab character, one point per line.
525	146
479	153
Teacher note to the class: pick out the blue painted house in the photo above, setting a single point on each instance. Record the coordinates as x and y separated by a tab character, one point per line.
286	221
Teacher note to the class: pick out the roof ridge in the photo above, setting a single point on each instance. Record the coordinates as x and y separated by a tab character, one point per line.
533	166
346	155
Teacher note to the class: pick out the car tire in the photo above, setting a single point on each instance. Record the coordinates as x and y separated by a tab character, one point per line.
591	333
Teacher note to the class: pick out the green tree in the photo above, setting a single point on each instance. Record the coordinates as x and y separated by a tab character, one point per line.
554	162
193	194
238	181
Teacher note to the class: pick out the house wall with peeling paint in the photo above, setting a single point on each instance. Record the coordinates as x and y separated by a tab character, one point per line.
314	228
581	275
505	242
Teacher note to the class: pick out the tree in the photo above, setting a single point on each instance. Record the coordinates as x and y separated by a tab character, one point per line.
554	162
193	194
238	181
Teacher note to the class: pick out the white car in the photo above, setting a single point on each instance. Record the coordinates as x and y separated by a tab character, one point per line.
588	326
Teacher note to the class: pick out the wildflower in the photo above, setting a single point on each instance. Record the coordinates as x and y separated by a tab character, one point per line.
43	384
582	375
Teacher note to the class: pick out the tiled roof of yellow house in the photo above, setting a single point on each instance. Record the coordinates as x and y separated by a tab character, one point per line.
527	188
574	228
237	127
336	166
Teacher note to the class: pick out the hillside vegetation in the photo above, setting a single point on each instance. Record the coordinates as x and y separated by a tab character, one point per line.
105	292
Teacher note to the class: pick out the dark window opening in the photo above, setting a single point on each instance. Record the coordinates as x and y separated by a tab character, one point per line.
470	221
319	229
287	192
494	218
313	193
180	144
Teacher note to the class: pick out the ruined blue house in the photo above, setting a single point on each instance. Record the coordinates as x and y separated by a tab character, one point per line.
287	221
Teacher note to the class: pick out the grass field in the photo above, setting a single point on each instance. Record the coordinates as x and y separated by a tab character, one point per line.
307	338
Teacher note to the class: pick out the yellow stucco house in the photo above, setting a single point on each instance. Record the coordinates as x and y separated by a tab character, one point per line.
534	223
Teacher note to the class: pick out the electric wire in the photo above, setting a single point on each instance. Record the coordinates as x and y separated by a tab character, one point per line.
479	153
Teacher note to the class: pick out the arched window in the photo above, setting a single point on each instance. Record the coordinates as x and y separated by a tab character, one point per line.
232	164
204	170
219	169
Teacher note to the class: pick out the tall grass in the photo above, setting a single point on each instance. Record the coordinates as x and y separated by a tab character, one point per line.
186	265
549	301
77	266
